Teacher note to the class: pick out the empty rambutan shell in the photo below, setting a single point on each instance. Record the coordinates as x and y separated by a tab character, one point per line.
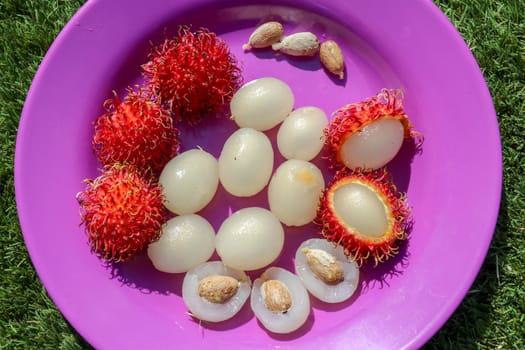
364	213
194	74
370	133
136	131
122	211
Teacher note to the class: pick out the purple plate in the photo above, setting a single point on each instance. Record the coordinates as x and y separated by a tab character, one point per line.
453	186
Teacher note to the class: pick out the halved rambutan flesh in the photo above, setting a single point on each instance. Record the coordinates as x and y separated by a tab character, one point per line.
370	133
122	211
194	74
364	213
136	131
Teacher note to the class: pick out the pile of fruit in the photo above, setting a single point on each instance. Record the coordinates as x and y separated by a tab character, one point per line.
148	195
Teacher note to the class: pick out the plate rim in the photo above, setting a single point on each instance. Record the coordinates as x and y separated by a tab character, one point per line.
48	59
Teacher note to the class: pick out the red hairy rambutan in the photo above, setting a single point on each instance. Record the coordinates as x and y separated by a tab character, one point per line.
136	131
194	74
122	211
364	213
353	141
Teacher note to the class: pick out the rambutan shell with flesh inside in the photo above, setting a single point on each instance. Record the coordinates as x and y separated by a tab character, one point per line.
194	74
122	211
136	131
368	134
372	195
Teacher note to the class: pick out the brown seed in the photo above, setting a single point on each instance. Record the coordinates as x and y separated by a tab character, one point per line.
218	289
265	35
298	44
332	58
324	265
276	296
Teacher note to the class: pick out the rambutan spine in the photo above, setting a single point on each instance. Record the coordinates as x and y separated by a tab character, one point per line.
122	212
194	74
135	131
353	117
359	246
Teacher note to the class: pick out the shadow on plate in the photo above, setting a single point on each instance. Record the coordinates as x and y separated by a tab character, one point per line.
373	277
244	316
303	330
400	166
333	307
303	63
140	274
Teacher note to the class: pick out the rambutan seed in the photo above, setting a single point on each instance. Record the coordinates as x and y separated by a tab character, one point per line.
122	212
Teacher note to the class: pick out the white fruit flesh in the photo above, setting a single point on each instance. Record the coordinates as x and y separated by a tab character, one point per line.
250	239
301	134
246	162
294	191
189	181
335	293
295	316
186	241
373	146
360	208
261	104
202	308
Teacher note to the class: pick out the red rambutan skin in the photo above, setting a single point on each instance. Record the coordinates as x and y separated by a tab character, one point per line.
136	131
122	211
353	117
358	246
194	74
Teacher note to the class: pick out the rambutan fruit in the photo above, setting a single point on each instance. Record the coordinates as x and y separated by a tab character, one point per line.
370	133
194	74
136	131
122	211
364	213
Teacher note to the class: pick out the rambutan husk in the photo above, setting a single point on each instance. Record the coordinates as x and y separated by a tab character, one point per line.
136	131
122	211
359	246
351	118
194	74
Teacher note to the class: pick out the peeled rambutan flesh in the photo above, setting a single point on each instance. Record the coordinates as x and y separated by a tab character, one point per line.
136	131
122	211
370	133
364	213
194	74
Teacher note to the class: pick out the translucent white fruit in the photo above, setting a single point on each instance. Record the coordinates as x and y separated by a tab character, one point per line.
250	239
294	192
361	208
202	308
277	321
189	181
301	135
186	241
246	162
327	253
373	146
261	104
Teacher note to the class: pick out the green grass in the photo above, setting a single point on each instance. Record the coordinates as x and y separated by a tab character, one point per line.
492	316
28	317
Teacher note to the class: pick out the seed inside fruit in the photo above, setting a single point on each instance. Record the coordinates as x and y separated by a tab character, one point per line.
276	296
324	265
218	289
